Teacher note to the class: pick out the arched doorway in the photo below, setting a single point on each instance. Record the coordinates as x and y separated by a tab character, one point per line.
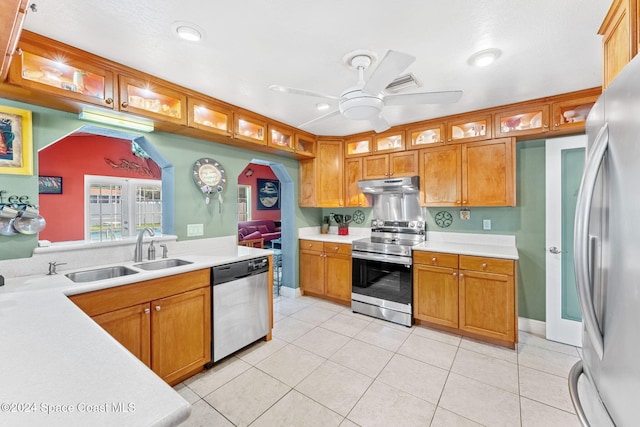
287	220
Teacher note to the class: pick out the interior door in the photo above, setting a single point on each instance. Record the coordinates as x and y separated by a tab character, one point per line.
564	164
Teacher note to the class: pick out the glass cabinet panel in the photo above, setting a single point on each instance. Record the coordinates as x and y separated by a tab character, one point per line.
522	121
389	142
280	138
250	129
469	130
426	135
305	145
152	101
571	114
209	116
358	146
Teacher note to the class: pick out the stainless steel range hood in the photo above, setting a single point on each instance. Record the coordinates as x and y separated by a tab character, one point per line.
396	199
409	184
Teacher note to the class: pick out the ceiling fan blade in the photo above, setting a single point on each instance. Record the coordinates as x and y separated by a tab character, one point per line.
446	97
317	119
379	123
284	89
389	68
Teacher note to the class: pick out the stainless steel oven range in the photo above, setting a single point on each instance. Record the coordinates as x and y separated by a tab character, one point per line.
382	270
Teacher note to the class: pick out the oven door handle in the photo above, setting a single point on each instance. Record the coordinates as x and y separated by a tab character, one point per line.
382	258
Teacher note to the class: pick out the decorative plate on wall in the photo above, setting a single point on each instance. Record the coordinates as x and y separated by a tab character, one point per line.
358	217
443	219
209	176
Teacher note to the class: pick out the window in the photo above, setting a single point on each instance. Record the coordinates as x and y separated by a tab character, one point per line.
244	202
113	205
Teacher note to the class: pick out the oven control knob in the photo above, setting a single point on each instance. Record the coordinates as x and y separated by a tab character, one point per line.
412	224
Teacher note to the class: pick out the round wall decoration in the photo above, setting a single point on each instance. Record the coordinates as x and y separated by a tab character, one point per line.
358	217
443	219
209	176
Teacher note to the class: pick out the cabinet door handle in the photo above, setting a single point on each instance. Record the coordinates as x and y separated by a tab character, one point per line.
158	308
147	311
125	104
108	101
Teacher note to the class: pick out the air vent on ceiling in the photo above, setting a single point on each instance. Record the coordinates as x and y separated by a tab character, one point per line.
403	82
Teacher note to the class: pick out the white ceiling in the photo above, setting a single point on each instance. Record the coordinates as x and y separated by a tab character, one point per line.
548	47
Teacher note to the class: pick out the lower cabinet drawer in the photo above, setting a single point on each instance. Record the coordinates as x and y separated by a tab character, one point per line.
486	265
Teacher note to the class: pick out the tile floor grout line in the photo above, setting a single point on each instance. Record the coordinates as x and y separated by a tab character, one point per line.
221	414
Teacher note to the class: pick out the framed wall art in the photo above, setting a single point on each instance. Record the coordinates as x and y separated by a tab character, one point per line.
16	146
268	194
50	184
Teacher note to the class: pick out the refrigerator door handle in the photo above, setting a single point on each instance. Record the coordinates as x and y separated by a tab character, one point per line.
574	375
582	241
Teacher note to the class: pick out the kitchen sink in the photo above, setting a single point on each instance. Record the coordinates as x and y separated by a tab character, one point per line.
163	263
100	274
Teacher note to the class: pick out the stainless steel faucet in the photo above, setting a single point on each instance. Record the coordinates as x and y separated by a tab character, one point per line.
137	257
52	267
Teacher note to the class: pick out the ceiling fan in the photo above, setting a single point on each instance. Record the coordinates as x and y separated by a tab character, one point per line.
366	99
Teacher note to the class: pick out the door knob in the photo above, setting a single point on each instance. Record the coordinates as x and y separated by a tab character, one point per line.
554	250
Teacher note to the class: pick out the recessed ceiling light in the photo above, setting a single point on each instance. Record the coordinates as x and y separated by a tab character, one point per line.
322	106
187	31
484	57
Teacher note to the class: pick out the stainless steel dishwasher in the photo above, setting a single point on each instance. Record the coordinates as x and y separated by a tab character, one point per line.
240	305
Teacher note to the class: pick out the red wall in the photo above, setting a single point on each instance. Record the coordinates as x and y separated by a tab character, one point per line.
72	158
263	172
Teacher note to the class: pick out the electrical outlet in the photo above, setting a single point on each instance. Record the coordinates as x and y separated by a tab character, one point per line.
195	230
486	224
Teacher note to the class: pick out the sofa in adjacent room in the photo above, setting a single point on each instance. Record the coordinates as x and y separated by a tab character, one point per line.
258	229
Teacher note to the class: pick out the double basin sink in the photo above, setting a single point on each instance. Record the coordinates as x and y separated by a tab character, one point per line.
120	270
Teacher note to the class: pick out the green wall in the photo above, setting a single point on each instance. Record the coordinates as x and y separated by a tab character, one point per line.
525	221
50	125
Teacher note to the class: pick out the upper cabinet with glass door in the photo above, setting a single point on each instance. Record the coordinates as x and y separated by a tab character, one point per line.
281	137
153	99
249	127
361	145
571	114
426	134
210	117
469	128
305	145
55	69
526	120
388	142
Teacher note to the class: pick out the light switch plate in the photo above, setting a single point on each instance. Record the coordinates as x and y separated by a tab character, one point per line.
486	224
195	230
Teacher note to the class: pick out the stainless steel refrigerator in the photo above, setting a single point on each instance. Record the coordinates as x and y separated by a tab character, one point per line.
605	384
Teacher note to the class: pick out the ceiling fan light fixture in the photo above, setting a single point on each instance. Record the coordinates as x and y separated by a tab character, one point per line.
484	57
357	105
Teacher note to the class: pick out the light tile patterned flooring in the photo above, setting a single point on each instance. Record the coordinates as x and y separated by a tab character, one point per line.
327	366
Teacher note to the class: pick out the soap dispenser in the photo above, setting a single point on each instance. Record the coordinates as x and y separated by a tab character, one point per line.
152	252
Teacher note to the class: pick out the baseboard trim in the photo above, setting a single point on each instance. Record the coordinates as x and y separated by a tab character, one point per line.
290	292
536	327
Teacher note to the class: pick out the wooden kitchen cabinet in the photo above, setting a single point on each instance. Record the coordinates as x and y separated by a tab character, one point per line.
305	144
210	117
281	138
388	142
525	120
426	134
76	77
130	326
394	165
359	145
473	174
353	173
11	21
620	37
325	270
322	178
469	295
149	97
469	128
572	113
166	322
250	127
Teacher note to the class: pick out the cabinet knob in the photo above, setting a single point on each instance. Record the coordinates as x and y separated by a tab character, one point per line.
461	275
125	104
390	173
464	202
556	124
457	202
546	126
434	259
108	101
147	311
484	265
455	274
335	249
157	308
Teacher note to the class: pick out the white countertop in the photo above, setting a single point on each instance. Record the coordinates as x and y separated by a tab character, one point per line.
59	368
